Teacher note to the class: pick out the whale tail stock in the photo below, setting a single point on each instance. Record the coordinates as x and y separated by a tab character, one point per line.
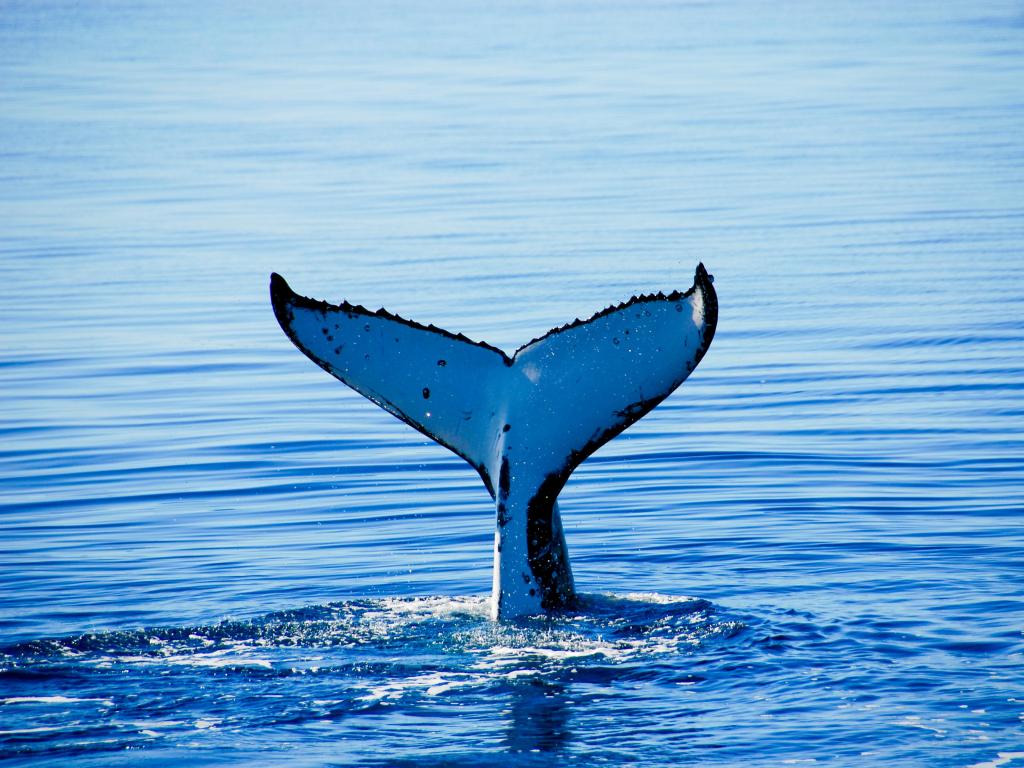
524	422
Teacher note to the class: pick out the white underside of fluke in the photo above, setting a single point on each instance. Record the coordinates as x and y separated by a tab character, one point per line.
524	422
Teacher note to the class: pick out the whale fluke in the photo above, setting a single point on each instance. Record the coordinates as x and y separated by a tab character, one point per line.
524	422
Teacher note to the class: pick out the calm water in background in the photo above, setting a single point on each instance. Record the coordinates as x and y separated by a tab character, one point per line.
212	552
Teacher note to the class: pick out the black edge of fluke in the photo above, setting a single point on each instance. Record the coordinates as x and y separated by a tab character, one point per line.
279	291
705	282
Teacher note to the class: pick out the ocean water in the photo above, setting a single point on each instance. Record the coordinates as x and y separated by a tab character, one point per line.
213	553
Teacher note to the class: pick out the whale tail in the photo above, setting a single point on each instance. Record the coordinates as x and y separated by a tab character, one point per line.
525	421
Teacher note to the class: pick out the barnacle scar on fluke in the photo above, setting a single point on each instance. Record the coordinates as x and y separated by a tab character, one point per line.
524	422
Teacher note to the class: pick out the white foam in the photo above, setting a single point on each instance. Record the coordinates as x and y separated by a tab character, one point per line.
215	659
1002	758
51	700
156	723
430	607
651	597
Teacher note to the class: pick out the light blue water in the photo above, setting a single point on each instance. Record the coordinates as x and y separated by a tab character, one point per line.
212	552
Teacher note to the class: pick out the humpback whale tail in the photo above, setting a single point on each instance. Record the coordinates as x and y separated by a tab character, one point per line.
524	422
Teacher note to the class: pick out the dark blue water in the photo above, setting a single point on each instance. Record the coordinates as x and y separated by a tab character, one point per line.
214	553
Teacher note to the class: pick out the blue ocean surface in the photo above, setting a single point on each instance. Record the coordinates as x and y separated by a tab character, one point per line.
211	552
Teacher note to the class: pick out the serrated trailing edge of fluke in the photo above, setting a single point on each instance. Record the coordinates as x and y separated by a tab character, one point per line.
283	294
701	276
